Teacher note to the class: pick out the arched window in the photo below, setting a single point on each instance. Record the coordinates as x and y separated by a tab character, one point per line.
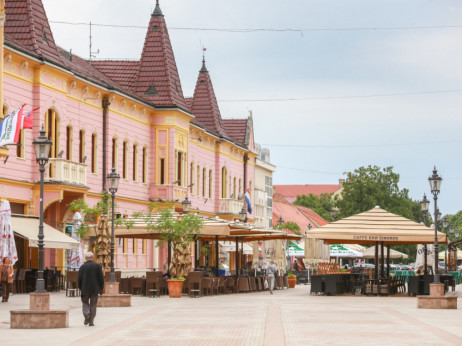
81	145
115	156
224	182
210	183
179	167
125	160
135	162
204	183
94	153
52	132
145	165
198	179
69	143
191	176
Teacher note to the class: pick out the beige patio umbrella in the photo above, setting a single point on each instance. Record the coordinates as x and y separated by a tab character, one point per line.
375	225
370	253
255	254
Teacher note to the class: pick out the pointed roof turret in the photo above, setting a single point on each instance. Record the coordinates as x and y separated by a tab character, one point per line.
27	23
204	104
158	80
157	10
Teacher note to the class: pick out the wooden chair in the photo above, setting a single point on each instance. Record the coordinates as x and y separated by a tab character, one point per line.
21	281
72	284
230	285
316	284
222	285
195	284
206	284
137	286
243	284
153	284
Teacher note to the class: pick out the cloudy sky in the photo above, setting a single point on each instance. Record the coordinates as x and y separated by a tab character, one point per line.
313	89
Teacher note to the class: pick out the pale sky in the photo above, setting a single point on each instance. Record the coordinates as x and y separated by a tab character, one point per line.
319	68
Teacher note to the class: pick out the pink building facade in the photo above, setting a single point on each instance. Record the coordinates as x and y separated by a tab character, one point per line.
131	115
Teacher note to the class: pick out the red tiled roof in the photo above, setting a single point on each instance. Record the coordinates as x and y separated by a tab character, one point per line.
27	24
121	71
301	216
205	105
158	80
236	129
290	192
189	101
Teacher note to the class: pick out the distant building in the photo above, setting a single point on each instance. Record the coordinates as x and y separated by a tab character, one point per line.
263	188
290	192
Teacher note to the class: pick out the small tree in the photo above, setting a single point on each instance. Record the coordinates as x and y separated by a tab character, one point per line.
179	232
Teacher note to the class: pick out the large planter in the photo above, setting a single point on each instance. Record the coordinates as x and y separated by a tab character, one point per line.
175	287
292	282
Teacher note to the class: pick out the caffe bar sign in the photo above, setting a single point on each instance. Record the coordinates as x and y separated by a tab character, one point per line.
375	238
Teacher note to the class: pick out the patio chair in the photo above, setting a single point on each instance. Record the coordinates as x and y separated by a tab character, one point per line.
252	284
243	284
413	285
206	285
118	276
153	284
21	281
194	284
137	286
285	281
72	284
357	284
222	285
279	283
230	285
215	285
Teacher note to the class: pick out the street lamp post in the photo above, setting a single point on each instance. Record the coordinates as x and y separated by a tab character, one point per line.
113	179
435	186
425	204
280	222
42	147
243	215
186	204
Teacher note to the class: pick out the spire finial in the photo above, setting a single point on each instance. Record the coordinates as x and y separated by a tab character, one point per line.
204	68
157	11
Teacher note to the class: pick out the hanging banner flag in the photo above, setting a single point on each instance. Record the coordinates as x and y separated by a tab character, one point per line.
247	200
10	127
28	119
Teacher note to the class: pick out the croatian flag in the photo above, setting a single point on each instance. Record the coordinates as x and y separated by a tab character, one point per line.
247	200
11	126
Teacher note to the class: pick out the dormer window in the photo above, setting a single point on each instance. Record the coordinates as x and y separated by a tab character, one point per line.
151	91
44	36
155	28
202	81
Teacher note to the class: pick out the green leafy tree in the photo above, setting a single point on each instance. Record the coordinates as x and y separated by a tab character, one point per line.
292	226
324	205
372	186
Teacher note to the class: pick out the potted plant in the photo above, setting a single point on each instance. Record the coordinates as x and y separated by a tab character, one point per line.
178	232
292	278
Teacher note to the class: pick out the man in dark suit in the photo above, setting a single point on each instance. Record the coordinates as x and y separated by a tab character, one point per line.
91	283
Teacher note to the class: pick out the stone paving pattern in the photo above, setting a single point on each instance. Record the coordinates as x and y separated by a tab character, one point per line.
289	317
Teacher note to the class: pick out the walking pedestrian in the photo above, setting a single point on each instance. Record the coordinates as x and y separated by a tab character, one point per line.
7	273
271	272
91	283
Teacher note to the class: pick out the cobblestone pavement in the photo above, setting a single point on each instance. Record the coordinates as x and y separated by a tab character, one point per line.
289	317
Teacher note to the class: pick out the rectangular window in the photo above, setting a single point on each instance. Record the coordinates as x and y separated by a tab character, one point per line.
179	167
210	184
125	161
191	178
81	145
20	147
162	171
198	179
145	165
144	247
204	184
94	152
114	153
134	244
124	247
69	143
135	162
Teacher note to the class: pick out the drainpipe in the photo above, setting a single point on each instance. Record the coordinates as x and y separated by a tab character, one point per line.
105	104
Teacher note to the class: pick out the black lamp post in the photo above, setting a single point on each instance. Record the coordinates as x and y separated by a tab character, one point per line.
243	215
113	180
280	222
186	204
425	205
435	186
42	147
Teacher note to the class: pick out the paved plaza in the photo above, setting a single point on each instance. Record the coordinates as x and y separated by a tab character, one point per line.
289	317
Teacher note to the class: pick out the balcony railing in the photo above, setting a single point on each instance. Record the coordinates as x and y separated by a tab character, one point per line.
230	206
67	172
